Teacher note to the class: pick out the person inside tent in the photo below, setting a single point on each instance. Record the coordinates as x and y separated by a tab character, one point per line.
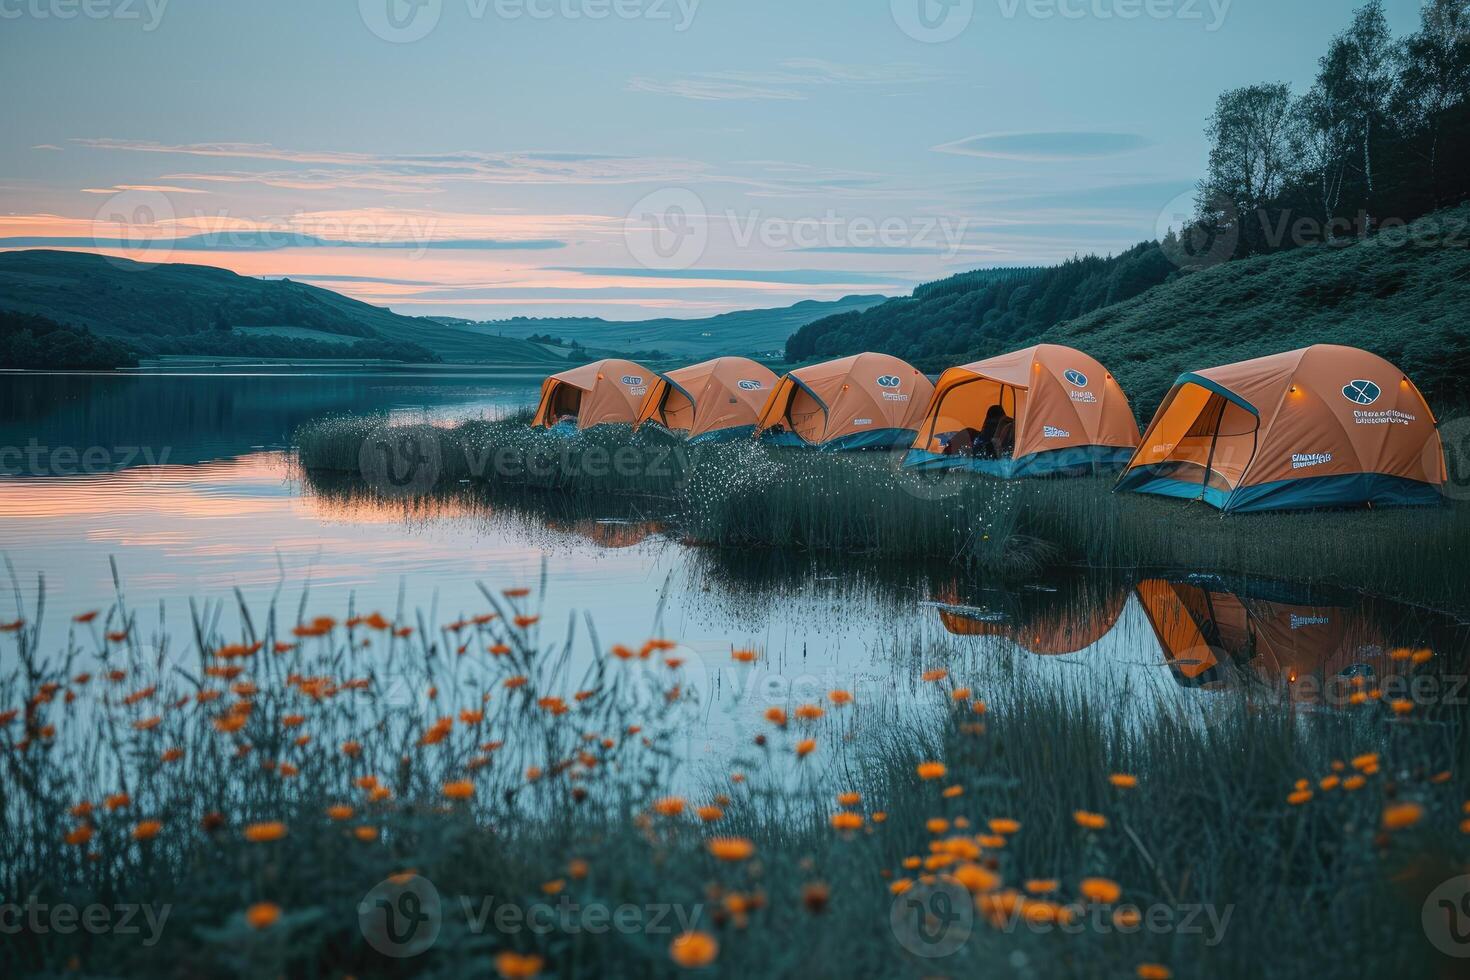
980	444
1003	440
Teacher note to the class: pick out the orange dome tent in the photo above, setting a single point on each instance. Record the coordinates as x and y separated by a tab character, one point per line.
866	401
1046	410
709	402
594	394
1322	426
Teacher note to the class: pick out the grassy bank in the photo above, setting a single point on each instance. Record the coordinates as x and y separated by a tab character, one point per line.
749	496
259	799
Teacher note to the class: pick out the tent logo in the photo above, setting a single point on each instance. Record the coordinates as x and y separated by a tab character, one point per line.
750	385
1076	377
1361	392
889	381
632	379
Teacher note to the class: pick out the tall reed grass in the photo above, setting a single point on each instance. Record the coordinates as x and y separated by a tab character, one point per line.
750	496
271	789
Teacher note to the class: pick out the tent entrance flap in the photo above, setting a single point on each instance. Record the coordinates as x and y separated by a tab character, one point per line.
675	409
1205	439
975	417
805	414
566	402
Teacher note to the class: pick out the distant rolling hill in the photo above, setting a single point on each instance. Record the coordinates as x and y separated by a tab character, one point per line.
760	332
194	309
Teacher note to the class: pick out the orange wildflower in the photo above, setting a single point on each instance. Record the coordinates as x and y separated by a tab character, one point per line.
743	656
1090	821
1103	890
339	812
365	833
1004	825
931	770
846	820
520	680
710	814
730	848
259	833
1400	816
693	950
1298	797
79	835
1153	971
669	806
776	716
849	799
117	801
526	621
461	789
975	878
148	724
85	617
932	676
147	829
518	966
1041	886
262	915
805	747
840	697
950	792
1123	781
808	712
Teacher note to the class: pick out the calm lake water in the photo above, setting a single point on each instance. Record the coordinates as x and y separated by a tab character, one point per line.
184	484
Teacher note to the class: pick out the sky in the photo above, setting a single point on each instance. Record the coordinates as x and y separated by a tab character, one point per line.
622	158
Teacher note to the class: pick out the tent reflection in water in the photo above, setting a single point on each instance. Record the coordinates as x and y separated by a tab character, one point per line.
1213	636
1047	410
1323	426
1047	623
600	393
715	401
867	401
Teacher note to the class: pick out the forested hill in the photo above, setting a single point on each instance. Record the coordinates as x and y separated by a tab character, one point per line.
977	314
1402	294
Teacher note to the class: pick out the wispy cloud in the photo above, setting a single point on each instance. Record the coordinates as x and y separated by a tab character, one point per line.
154	188
407	173
789	83
1041	147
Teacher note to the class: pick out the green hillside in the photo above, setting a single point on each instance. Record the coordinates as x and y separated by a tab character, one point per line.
762	332
983	312
1404	294
194	309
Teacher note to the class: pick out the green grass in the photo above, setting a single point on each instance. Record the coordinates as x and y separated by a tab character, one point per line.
747	496
1209	823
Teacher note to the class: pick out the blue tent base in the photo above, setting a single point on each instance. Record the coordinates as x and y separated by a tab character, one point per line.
1307	493
1073	461
856	441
